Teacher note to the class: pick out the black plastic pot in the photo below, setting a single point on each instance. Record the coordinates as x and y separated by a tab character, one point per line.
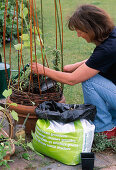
87	160
49	83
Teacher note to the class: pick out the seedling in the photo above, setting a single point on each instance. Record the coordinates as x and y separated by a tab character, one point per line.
5	143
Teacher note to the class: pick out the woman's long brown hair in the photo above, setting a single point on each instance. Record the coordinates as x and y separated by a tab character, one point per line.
93	20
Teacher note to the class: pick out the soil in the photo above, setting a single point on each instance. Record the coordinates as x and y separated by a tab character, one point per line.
45	85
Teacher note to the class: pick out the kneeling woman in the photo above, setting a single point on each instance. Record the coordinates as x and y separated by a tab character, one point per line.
98	73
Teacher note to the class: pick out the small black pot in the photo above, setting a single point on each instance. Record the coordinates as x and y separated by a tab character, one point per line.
87	160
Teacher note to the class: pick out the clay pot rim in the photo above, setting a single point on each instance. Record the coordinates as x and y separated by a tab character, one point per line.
21	108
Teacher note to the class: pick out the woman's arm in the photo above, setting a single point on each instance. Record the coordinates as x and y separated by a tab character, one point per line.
72	67
81	74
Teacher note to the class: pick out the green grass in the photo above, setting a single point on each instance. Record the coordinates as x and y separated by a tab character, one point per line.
75	49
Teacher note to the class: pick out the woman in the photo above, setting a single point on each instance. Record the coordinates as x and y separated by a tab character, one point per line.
98	73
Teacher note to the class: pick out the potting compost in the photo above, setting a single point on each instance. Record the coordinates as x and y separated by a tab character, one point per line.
63	131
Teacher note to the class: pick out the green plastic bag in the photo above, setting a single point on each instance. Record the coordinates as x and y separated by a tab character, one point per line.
63	141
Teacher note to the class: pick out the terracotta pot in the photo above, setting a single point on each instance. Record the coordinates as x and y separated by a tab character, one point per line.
23	110
8	154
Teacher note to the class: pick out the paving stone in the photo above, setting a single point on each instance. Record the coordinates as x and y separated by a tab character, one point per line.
61	167
105	160
110	168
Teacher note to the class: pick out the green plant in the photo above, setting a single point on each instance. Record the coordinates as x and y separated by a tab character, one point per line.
9	18
5	147
101	143
5	142
24	78
7	94
56	60
25	46
27	146
25	37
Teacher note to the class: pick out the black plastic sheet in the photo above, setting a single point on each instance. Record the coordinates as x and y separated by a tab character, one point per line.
51	110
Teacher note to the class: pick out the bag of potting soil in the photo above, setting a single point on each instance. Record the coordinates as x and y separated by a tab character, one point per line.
63	141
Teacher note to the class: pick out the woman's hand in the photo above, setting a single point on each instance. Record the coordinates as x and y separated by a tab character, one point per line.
68	68
37	68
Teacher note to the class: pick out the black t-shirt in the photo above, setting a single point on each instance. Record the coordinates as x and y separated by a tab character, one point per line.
103	58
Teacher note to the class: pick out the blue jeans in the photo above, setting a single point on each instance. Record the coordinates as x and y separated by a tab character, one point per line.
101	92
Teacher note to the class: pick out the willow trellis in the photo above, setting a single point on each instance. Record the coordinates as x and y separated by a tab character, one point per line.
19	96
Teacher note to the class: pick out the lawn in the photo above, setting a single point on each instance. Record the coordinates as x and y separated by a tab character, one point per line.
75	49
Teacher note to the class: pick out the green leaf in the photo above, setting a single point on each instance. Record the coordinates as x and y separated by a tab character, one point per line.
36	31
1	108
27	43
25	12
18	46
14	115
13	104
30	145
7	93
25	37
26	156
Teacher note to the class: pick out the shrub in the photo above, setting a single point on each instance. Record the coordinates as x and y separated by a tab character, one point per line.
9	19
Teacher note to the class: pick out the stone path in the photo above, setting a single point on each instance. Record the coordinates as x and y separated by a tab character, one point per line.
103	161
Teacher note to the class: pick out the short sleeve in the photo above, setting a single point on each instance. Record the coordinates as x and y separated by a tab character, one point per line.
101	59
